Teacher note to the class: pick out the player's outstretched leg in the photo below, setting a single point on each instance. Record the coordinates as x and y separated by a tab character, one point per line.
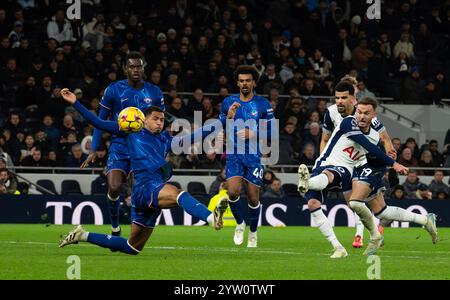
394	213
364	213
326	229
197	209
358	238
106	241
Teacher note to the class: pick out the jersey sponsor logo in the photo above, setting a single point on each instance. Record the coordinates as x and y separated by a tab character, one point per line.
353	156
148	100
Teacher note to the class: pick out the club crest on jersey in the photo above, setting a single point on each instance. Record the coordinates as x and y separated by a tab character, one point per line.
148	100
254	112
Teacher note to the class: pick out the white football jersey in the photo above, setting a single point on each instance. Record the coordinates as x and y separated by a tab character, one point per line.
342	151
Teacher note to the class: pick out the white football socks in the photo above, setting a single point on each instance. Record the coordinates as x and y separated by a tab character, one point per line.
359	226
366	217
395	213
325	227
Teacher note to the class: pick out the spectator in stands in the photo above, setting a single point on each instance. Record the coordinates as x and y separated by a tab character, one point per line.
34	160
40	140
320	64
14	124
412	144
214	187
268	177
423	193
52	158
27	149
274	190
437	184
177	108
59	28
287	140
313	136
66	143
101	157
438	158
53	134
210	162
411	184
404	45
77	158
426	161
308	156
442	195
361	55
100	186
86	143
398	193
362	90
396	143
407	159
9	181
11	145
413	87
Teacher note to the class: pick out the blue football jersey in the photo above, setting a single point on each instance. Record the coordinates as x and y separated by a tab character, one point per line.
258	108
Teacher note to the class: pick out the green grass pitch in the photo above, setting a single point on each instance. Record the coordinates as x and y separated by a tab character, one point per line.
177	252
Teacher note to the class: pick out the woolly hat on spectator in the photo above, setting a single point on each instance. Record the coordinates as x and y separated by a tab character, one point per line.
161	36
422	187
356	20
18	24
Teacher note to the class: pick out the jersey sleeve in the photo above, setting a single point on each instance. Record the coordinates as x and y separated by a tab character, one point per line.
377	125
224	111
108	98
269	117
97	136
160	99
109	126
328	125
350	129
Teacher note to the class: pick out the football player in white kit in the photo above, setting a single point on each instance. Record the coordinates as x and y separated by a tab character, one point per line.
345	106
347	146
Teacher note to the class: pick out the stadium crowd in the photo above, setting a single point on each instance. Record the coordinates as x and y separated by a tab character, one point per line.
300	48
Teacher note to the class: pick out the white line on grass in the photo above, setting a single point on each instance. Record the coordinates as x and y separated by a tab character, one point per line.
239	250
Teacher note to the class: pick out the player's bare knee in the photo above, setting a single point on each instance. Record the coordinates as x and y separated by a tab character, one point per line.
329	174
314	204
233	194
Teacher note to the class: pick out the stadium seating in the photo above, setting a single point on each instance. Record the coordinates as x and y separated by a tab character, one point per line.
70	187
196	188
175	183
47	184
290	189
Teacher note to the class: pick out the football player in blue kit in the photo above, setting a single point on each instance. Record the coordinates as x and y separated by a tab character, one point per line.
133	91
151	193
245	162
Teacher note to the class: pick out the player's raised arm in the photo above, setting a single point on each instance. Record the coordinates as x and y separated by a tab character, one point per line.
350	128
203	132
109	126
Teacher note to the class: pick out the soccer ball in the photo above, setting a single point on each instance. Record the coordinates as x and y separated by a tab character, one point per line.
131	119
